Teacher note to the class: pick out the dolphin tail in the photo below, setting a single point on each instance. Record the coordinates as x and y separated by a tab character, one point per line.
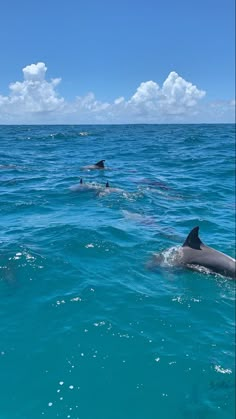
100	163
193	240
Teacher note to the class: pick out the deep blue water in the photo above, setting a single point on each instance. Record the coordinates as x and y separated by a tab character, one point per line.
87	330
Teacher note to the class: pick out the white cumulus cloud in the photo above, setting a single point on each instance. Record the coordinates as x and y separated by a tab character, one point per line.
176	91
35	72
175	97
146	92
36	100
33	95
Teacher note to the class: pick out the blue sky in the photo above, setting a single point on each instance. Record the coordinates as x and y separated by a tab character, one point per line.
109	50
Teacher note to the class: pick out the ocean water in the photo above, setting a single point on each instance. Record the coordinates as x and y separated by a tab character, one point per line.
87	329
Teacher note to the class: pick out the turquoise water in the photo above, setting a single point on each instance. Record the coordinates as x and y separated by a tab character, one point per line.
87	330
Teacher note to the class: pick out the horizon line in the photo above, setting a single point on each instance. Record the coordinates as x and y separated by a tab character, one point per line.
119	124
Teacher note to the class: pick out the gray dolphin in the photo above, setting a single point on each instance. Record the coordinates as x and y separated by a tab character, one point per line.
195	253
85	187
109	189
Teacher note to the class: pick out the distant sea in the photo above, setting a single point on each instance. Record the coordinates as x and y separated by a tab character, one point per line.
87	330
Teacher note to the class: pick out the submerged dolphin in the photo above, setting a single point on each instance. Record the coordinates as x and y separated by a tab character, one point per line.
99	165
196	255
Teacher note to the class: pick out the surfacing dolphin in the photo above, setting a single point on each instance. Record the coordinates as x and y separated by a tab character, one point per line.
196	255
108	189
99	165
85	187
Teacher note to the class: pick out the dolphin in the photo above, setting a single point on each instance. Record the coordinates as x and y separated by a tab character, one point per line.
108	189
99	165
139	218
85	187
153	183
194	254
7	166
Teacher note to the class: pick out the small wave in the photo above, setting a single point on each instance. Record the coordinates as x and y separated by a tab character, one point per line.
201	269
171	256
69	134
218	368
107	191
83	134
168	258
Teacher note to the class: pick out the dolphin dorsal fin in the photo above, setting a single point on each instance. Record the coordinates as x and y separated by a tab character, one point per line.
193	240
107	185
100	163
81	181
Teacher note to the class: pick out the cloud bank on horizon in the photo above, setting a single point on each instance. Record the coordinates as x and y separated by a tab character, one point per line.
36	100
